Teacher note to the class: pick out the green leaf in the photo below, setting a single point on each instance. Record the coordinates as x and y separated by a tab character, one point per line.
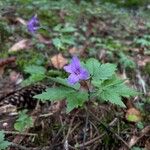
23	122
113	90
98	71
75	100
68	29
124	90
37	74
33	78
106	71
54	94
64	82
33	69
2	136
109	95
132	118
93	66
3	144
58	43
68	40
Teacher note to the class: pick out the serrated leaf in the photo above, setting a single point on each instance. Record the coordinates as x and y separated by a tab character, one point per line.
33	69
112	90
24	121
93	66
65	83
57	28
124	90
68	40
54	94
106	71
75	100
98	71
109	95
58	43
2	136
68	29
3	144
33	78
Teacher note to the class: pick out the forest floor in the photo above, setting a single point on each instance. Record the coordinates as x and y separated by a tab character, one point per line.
104	32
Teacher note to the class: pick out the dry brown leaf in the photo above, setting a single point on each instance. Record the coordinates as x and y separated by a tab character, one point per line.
2	71
143	61
43	39
75	51
22	21
133	115
15	77
58	61
4	62
23	44
134	139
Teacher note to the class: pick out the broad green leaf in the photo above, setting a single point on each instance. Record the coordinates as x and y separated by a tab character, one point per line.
109	95
133	118
58	27
64	82
112	91
106	71
54	94
2	136
75	100
3	144
33	69
58	43
67	40
33	78
93	66
124	90
68	29
23	122
98	71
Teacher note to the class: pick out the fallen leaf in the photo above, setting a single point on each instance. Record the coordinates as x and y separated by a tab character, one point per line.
134	139
1	71
58	61
75	51
4	62
15	77
43	39
23	44
22	21
133	115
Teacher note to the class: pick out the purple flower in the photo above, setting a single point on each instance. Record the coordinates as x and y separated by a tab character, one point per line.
77	72
33	24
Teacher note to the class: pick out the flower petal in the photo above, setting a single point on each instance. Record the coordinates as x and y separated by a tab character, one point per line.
75	62
72	79
84	75
68	69
33	24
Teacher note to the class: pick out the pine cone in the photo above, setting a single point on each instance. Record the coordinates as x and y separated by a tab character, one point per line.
23	98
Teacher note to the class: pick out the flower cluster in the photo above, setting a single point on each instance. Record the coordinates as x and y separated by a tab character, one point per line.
33	24
77	72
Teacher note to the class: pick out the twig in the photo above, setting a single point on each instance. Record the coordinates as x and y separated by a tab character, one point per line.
18	133
20	146
109	130
86	125
89	142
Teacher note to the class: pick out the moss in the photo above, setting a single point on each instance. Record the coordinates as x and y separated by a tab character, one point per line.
29	58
